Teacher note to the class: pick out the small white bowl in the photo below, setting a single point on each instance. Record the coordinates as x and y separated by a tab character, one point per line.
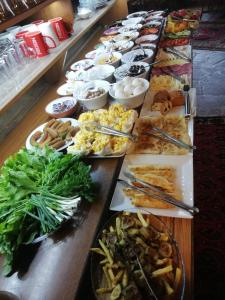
129	56
92	54
132	21
126	36
150	38
65	113
126	46
137	14
82	64
128	28
93	103
145	46
100	72
118	74
105	56
67	88
132	101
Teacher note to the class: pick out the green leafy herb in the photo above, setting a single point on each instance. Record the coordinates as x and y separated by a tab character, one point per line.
38	190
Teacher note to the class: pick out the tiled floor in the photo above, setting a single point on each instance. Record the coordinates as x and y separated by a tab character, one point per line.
209	80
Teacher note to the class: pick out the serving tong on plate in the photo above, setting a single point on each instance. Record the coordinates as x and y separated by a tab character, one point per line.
170	138
109	131
177	53
156	192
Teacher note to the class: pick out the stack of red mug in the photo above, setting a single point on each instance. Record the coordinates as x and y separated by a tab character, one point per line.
42	37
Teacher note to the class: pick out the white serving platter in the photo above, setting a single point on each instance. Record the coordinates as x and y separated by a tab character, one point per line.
41	127
176	110
184	181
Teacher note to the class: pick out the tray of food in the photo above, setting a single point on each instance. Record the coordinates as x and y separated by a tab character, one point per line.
57	134
169	82
135	257
93	142
165	102
150	141
172	174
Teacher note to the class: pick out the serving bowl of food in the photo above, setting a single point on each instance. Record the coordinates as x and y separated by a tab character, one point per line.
126	36
99	72
133	21
145	55
120	46
112	58
133	252
83	64
128	28
138	14
130	91
137	69
93	94
62	107
150	38
145	46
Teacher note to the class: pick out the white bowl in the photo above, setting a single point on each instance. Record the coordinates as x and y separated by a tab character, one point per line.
101	72
126	46
128	28
145	46
93	103
126	36
129	56
65	113
133	21
138	14
147	39
118	74
132	101
105	56
67	88
82	64
92	54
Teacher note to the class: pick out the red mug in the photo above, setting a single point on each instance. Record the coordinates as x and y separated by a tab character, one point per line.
59	28
21	34
35	42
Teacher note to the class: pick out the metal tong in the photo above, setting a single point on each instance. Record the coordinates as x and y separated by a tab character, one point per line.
172	74
157	193
150	289
187	107
110	131
177	53
183	19
171	139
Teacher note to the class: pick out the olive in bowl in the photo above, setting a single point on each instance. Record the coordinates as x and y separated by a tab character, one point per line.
62	107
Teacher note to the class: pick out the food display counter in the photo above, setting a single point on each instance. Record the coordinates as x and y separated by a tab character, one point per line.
56	267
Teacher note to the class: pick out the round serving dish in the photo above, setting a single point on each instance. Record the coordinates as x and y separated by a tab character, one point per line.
156	227
104	58
131	101
130	56
82	64
138	14
132	21
68	107
95	102
120	46
151	38
123	71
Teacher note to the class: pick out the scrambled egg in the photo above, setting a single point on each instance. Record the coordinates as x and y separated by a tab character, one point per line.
87	141
165	82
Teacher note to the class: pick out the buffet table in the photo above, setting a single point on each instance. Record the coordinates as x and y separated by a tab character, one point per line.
58	268
54	269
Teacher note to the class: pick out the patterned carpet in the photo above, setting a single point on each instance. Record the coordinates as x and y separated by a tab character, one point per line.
209	225
209	36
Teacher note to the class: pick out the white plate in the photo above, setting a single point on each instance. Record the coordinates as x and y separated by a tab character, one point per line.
67	88
134	15
184	174
176	110
132	21
40	128
82	64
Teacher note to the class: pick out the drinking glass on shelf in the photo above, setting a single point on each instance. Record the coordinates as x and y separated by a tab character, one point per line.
17	6
5	12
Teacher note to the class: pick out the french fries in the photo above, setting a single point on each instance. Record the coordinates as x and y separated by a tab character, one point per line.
133	235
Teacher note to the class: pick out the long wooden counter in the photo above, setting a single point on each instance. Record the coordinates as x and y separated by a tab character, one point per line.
53	270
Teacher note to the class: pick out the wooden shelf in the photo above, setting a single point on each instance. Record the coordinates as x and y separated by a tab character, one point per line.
19	18
26	77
